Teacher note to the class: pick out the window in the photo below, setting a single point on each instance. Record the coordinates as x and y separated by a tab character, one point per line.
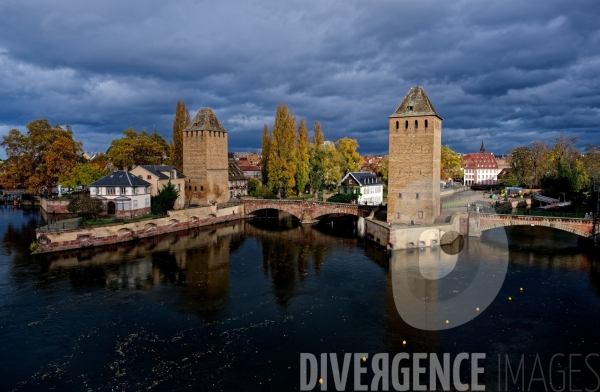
149	177
195	188
416	124
398	215
122	205
147	202
135	204
426	123
420	214
110	190
123	190
416	195
397	124
406	125
410	108
350	182
399	195
179	187
202	187
189	187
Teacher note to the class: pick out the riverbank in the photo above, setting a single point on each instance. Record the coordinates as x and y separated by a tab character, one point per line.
83	237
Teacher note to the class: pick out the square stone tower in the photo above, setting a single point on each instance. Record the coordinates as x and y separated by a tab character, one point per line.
205	163
415	136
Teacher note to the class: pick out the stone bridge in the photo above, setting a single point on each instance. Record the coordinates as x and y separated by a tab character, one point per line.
587	228
307	211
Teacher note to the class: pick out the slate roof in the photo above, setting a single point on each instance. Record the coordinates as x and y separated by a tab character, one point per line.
234	171
205	120
157	169
416	103
120	178
364	178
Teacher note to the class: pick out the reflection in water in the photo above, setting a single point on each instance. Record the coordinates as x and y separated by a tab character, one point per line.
231	307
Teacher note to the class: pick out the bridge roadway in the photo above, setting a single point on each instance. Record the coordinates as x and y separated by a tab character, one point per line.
307	211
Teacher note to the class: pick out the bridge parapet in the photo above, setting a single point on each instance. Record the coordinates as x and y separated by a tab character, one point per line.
483	222
308	211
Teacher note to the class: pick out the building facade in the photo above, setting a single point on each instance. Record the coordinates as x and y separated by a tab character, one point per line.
415	142
205	162
123	194
480	168
238	183
371	188
159	176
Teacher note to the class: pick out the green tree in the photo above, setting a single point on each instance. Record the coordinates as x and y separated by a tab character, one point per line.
138	149
266	144
351	159
36	159
164	200
81	175
451	164
86	205
180	122
302	157
253	186
282	153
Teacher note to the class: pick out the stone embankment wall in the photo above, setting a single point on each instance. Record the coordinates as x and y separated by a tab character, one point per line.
115	233
54	206
378	232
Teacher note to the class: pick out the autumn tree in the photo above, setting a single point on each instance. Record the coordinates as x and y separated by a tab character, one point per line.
180	122
36	159
451	164
334	165
282	152
266	143
138	149
302	157
317	159
383	169
351	159
81	175
86	205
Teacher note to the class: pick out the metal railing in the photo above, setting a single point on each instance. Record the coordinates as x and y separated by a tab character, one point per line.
67	224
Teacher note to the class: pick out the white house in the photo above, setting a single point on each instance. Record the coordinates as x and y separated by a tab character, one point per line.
371	188
123	194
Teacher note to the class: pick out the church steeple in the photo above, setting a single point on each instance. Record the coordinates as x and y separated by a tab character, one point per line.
482	149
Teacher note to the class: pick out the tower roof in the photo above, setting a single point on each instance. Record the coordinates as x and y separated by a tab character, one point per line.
416	103
482	149
205	120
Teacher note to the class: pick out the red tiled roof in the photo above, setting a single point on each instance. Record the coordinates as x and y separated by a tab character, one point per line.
249	168
479	161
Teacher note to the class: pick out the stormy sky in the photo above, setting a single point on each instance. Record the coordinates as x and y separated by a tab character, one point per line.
507	72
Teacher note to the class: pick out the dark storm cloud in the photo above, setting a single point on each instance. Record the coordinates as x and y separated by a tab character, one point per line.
508	72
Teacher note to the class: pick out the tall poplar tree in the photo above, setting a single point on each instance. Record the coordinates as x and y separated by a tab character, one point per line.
318	137
317	159
302	157
180	122
282	152
266	144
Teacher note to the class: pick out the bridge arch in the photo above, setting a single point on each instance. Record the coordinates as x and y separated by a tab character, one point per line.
306	210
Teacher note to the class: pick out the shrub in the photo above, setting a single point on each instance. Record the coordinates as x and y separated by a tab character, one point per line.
86	205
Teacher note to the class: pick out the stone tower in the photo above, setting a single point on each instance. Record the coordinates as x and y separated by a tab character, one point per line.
205	159
415	136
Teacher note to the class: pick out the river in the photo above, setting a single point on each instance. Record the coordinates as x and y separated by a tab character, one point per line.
231	307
